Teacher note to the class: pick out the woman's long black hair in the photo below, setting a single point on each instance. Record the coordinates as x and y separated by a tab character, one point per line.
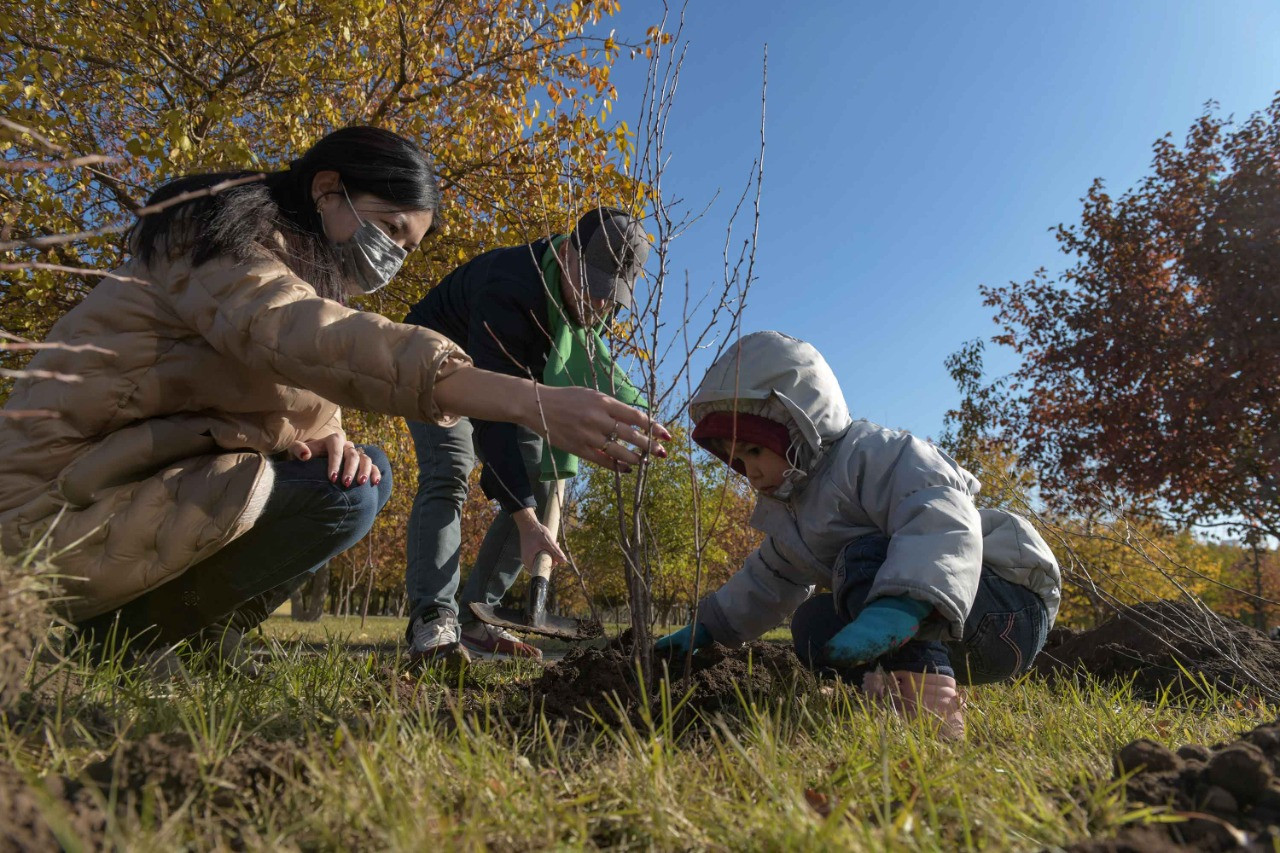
243	221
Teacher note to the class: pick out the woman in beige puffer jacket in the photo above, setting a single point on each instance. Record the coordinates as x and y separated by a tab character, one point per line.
199	461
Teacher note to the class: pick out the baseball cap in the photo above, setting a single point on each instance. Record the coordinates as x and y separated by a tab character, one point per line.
613	248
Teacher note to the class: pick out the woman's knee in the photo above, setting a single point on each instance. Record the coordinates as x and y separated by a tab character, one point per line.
383	466
363	502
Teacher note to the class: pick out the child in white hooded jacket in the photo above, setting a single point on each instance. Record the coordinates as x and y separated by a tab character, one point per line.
926	589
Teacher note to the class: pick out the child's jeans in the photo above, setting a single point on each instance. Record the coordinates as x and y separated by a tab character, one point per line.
1006	628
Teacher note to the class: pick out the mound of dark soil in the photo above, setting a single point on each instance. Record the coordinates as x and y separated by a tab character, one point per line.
1230	794
23	620
583	683
1153	642
161	768
23	822
167	765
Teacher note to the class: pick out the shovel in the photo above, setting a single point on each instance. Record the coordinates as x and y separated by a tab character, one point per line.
534	618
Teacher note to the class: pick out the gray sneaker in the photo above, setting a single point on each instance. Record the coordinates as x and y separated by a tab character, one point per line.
161	672
225	645
434	640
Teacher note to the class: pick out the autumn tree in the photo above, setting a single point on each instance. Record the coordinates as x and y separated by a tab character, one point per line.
971	433
510	97
1151	367
1112	556
1254	594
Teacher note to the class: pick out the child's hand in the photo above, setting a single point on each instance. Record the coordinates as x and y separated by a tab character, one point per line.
678	643
884	625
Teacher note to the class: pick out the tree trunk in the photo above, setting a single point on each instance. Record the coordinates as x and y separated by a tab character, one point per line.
640	605
307	602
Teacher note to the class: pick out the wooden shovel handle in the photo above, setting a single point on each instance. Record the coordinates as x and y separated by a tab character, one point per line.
551	520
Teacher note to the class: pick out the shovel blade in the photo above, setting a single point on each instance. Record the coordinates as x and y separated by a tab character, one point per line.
548	625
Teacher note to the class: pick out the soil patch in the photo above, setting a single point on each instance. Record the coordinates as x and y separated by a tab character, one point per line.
25	811
23	621
1153	642
167	767
158	774
600	681
1229	793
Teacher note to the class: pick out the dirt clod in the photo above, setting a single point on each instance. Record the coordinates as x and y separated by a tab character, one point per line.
1241	769
1172	645
1229	802
1149	755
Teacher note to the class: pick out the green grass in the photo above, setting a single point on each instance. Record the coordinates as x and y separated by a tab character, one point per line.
385	630
400	763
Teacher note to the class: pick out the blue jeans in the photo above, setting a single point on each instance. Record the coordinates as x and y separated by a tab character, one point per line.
1005	630
446	457
307	520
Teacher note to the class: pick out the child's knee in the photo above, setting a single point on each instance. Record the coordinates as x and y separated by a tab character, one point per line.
1001	644
814	623
855	571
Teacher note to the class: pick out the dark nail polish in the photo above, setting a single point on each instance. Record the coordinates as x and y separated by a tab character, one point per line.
333	478
346	481
364	480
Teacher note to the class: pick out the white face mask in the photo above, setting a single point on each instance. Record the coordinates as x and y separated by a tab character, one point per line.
369	257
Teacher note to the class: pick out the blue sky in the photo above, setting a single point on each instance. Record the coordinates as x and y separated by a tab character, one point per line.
917	150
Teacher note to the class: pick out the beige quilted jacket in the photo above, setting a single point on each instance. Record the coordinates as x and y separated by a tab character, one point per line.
160	454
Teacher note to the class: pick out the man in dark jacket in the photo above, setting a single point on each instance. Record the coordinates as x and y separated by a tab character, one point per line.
531	311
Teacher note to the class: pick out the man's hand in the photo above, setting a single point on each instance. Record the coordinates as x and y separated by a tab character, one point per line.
884	625
678	643
535	537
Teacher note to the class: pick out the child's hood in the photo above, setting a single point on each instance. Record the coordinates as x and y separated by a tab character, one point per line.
770	365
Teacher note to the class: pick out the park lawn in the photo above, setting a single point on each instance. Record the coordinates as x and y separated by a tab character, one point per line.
345	752
389	630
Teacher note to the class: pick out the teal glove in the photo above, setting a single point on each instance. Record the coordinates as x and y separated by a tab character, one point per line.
678	643
884	625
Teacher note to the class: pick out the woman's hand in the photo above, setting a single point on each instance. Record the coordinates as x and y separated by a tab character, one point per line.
596	427
344	458
534	538
585	422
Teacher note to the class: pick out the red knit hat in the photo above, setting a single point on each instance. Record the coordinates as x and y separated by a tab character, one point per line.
743	428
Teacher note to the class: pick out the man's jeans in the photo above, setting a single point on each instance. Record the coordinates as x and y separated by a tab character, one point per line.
1006	628
307	520
446	457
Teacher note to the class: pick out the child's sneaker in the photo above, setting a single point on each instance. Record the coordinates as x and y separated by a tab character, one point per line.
909	693
433	640
491	641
